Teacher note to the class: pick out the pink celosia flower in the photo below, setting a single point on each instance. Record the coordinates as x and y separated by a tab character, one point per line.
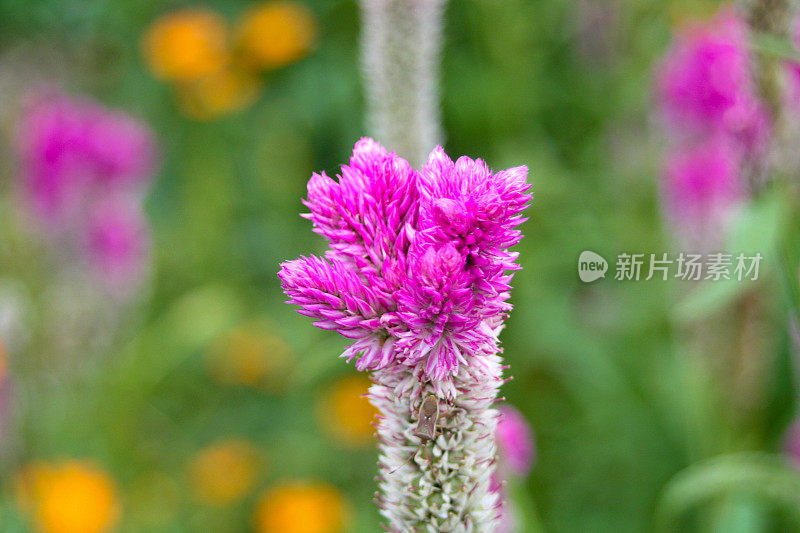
418	273
704	85
515	441
71	148
701	185
418	267
84	169
705	74
117	242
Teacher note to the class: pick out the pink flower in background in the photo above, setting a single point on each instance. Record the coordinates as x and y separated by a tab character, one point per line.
718	129
705	74
515	441
702	183
705	88
74	149
516	453
118	242
792	441
84	169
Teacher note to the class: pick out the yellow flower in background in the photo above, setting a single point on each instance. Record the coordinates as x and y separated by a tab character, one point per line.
225	471
187	45
249	355
219	93
345	413
191	48
301	508
274	34
69	497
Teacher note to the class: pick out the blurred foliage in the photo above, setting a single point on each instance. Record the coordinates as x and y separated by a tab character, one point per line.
562	86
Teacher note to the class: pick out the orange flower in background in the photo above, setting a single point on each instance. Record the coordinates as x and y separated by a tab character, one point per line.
191	49
69	497
274	34
218	94
187	45
301	508
249	355
345	413
224	472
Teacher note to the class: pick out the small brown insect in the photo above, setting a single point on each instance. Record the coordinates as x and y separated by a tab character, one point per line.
428	416
426	426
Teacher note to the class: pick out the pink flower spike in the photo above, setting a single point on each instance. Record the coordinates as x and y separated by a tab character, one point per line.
515	441
418	274
705	74
74	149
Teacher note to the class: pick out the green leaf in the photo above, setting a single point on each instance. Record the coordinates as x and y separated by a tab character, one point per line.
769	479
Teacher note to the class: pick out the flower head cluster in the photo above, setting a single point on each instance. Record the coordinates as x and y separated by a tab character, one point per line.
418	270
84	169
716	122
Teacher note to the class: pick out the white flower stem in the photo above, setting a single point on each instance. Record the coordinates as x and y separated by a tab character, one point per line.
400	49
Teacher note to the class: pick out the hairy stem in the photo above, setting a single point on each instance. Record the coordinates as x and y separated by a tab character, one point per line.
401	42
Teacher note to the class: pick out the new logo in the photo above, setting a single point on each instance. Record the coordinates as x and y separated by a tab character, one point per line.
591	266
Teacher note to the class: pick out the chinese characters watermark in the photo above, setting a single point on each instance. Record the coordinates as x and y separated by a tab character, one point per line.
683	266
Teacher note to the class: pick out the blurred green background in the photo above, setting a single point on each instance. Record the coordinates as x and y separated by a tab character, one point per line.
561	86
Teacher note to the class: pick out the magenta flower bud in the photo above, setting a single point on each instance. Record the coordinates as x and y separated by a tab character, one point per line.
515	441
